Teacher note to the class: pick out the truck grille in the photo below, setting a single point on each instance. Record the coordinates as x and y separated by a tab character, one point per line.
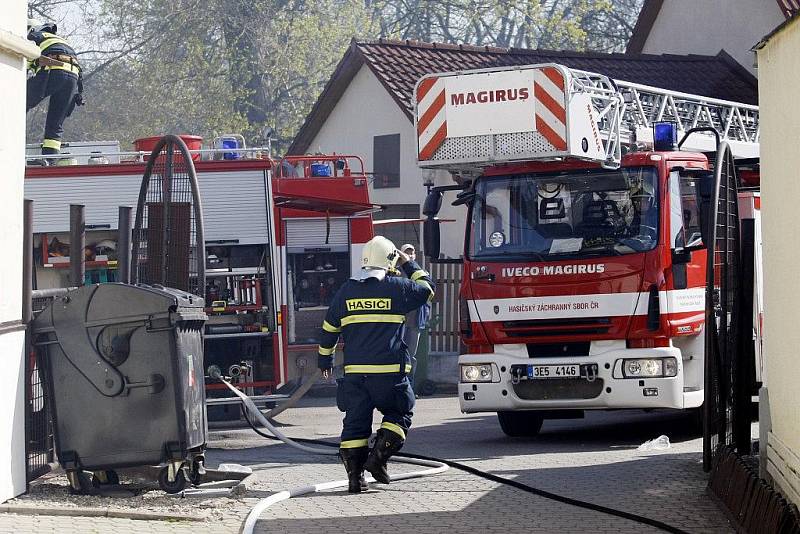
558	389
558	350
557	327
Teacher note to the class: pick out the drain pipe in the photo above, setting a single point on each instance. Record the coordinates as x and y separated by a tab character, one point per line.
27	262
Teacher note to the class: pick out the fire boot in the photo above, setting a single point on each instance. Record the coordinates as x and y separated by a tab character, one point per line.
353	460
386	444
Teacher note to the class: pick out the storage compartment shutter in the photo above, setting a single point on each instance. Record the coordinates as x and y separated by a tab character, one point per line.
102	196
234	206
234	203
311	232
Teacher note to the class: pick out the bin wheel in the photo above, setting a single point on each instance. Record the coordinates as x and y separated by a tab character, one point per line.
79	483
105	478
175	486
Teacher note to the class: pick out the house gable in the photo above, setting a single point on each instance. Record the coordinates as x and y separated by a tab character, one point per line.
692	27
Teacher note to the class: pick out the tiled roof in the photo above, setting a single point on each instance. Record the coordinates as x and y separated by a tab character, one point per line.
399	64
789	7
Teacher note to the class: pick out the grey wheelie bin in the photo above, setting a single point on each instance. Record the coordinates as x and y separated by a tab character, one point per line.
124	372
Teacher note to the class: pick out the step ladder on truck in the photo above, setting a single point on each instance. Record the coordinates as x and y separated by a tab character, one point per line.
584	262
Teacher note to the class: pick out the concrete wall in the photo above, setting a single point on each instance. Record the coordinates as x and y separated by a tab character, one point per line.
707	26
779	78
13	48
366	110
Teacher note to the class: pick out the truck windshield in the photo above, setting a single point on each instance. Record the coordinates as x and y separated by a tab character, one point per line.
548	217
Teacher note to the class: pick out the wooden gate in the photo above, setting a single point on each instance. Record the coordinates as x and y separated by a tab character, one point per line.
444	309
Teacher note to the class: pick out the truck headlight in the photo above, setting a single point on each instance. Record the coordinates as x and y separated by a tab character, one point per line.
650	368
476	373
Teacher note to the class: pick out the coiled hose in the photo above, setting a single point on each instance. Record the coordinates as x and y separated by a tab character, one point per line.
437	465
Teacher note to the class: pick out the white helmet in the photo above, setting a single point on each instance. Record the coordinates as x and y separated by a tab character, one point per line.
379	254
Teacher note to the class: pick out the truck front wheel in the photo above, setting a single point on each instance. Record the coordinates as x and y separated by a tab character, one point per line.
522	424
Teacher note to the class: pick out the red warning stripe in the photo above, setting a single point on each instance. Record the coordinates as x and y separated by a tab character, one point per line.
425	86
549	102
431	113
555	76
435	142
552	137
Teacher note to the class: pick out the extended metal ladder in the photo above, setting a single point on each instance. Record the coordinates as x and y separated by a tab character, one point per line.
627	111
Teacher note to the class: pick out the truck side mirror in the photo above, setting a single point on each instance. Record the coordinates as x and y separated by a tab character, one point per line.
431	236
683	254
432	205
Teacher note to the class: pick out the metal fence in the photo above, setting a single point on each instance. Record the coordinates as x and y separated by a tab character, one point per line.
444	310
727	387
39	445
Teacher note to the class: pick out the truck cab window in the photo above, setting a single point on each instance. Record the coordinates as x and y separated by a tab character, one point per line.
557	216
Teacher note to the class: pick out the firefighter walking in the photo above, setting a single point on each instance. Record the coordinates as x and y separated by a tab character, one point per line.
57	75
368	312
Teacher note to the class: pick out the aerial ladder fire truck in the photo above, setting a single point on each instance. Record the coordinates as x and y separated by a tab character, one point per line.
584	257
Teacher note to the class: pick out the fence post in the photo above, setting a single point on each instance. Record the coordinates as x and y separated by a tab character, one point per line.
77	244
124	245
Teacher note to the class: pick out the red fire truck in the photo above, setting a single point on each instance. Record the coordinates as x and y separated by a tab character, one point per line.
584	264
281	237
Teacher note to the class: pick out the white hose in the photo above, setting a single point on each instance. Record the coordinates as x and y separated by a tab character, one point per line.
262	505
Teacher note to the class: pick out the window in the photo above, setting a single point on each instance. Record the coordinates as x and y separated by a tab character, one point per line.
564	215
399	233
386	161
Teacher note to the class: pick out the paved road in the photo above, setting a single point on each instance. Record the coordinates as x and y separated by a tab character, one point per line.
593	459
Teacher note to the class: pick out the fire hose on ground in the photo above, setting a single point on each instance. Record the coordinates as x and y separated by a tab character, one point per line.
434	465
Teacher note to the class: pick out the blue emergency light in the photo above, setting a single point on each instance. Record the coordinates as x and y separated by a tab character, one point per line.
320	170
665	136
230	143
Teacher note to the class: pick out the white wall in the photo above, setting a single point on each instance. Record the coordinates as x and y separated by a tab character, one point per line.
779	78
366	110
707	26
12	149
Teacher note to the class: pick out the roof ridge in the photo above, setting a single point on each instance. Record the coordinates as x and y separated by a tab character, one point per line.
409	43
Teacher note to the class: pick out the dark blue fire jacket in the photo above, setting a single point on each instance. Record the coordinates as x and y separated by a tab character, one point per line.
370	315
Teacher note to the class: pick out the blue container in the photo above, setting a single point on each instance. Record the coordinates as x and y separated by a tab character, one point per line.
230	143
320	169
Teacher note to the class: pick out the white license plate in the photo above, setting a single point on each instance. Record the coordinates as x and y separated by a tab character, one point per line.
536	372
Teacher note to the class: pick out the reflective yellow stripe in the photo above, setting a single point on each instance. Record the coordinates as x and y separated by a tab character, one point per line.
418	274
67	67
375	369
354	443
328	327
326	352
394	428
51	143
373	318
50	41
427	286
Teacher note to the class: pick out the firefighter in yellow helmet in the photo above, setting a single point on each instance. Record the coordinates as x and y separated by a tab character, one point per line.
57	75
368	312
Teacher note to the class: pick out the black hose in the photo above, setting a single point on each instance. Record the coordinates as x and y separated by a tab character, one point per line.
494	478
